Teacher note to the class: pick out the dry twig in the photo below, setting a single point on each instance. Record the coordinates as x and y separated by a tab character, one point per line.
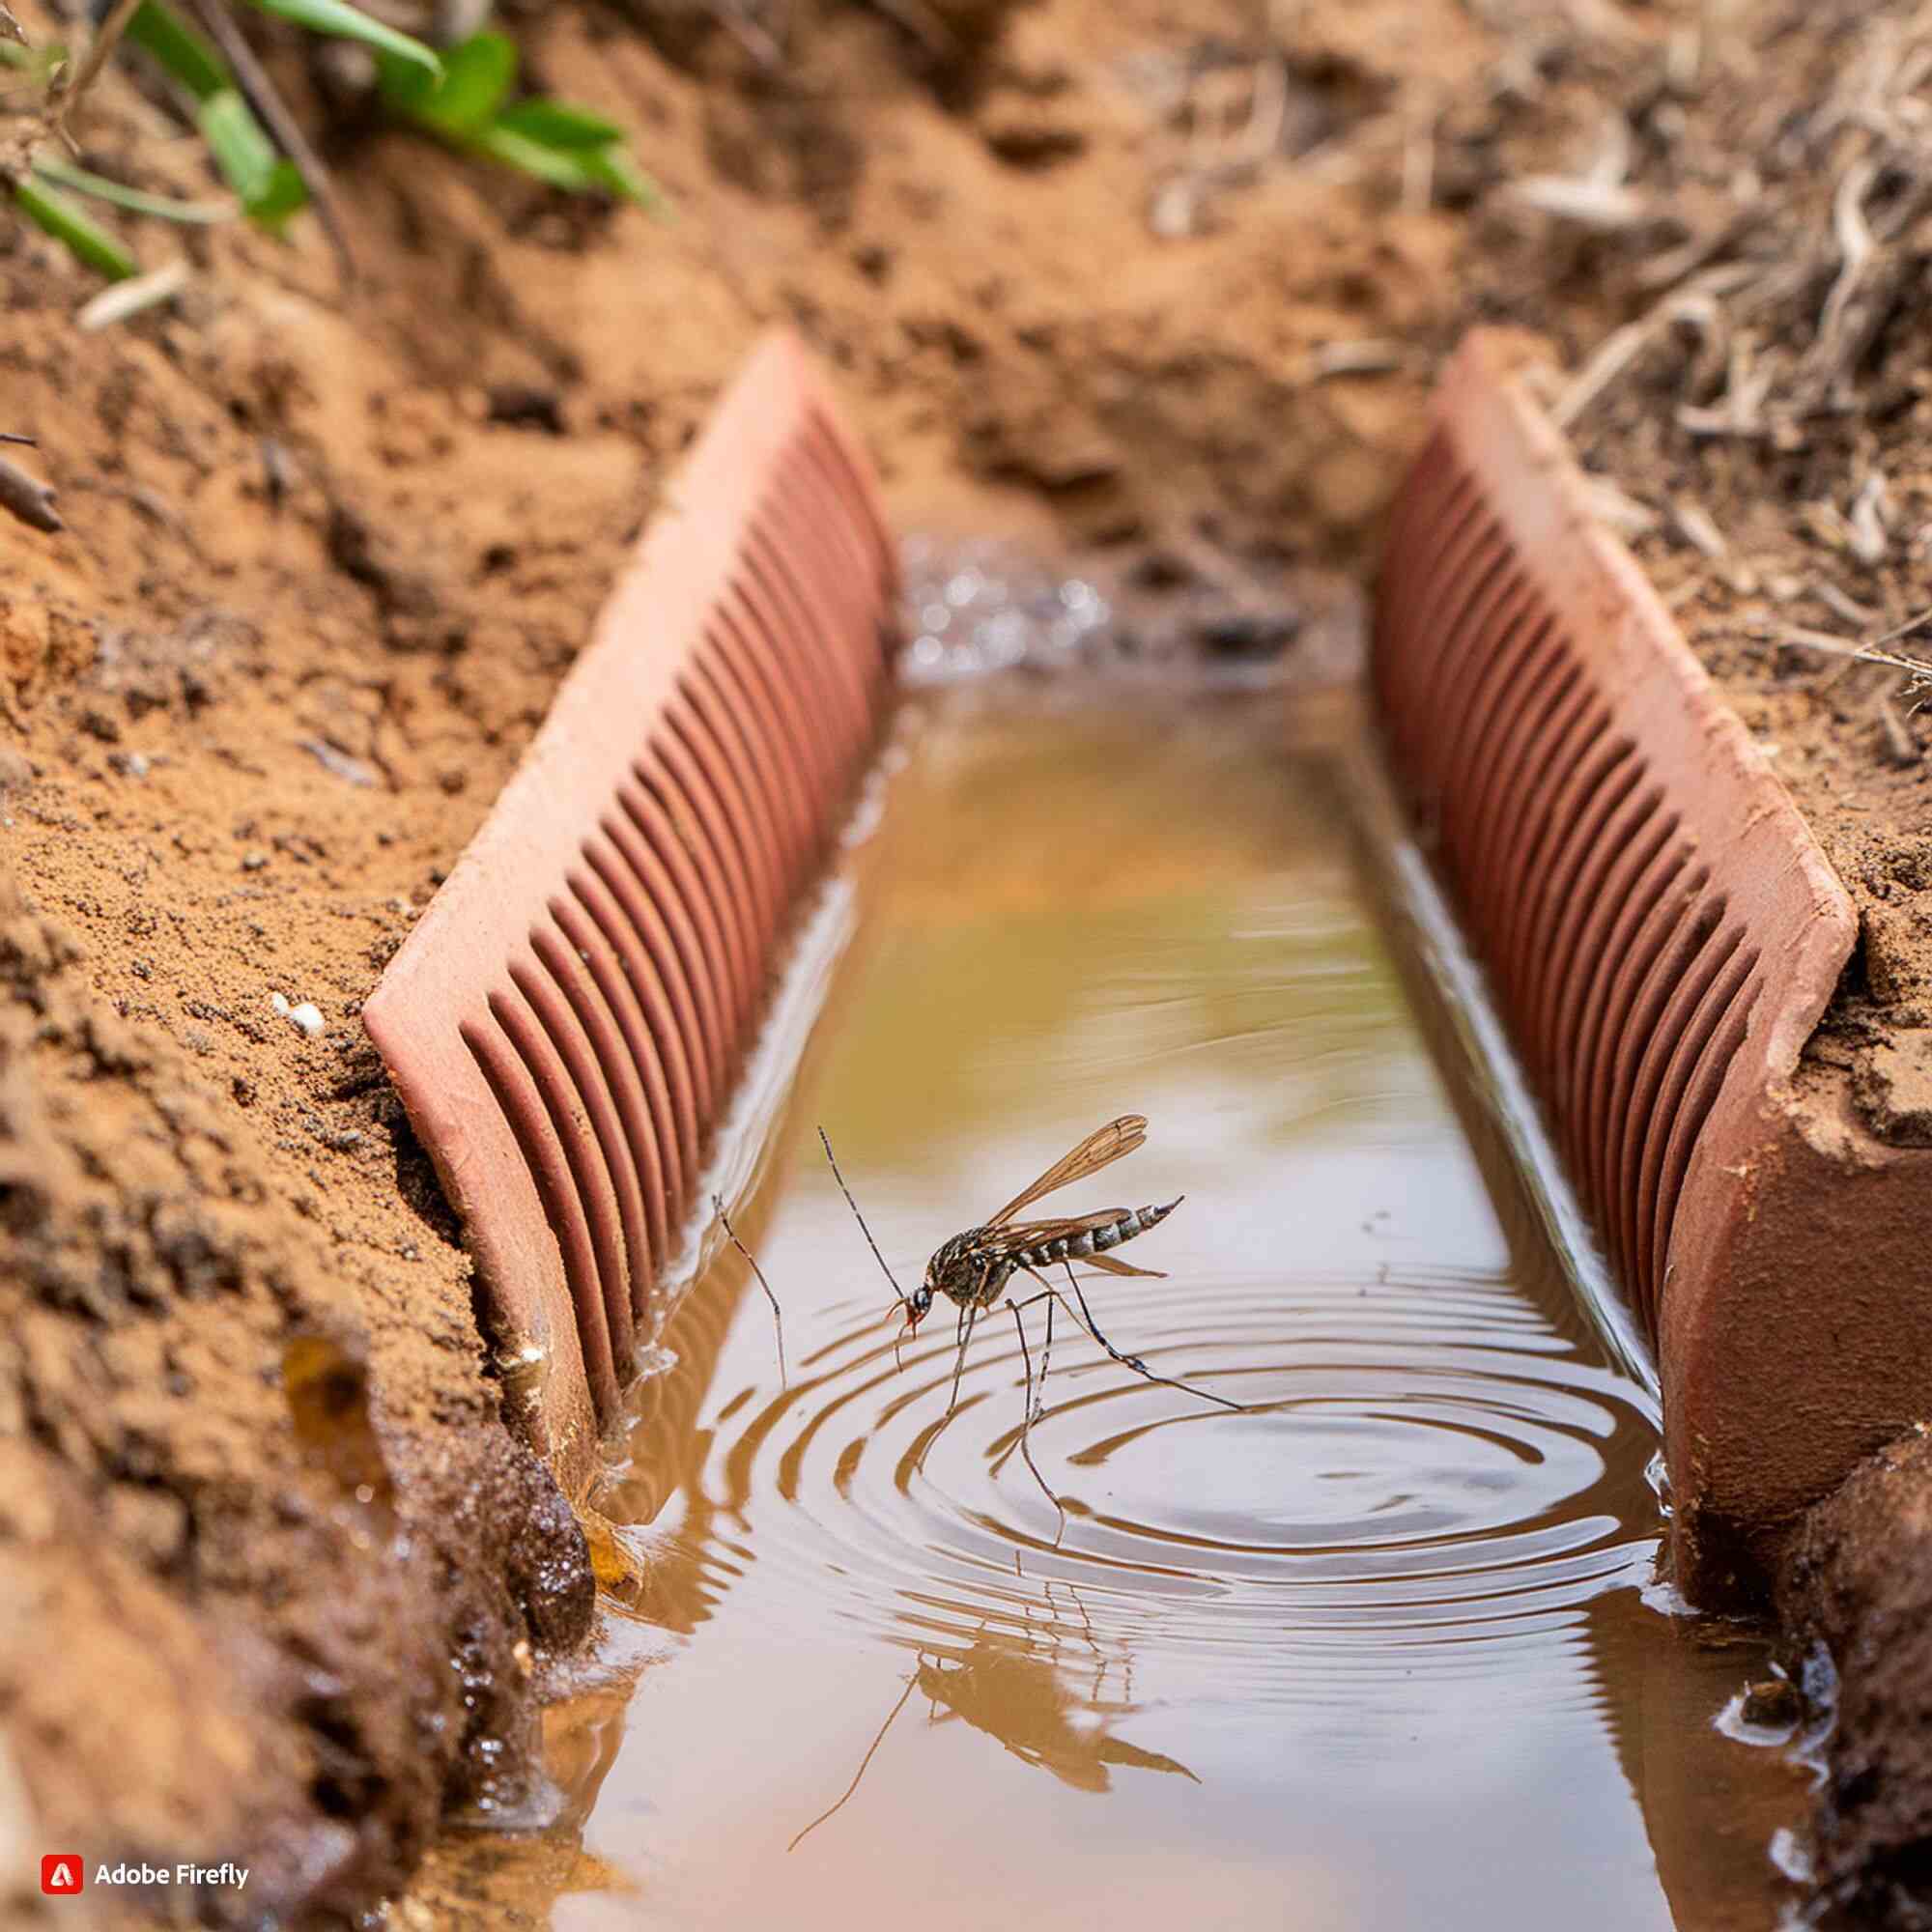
27	497
1899	747
67	98
260	93
1871	281
1877	650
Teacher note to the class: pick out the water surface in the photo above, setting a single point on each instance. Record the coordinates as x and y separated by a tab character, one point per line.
1373	1653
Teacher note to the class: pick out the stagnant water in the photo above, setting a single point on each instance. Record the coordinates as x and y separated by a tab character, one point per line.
1374	1651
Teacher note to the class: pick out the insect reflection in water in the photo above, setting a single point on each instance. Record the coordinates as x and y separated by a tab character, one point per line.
975	1269
1008	1686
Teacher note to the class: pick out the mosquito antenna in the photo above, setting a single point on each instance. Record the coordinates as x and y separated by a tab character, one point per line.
778	1314
911	1679
904	1304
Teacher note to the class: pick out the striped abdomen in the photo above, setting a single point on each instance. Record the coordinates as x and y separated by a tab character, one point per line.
1130	1222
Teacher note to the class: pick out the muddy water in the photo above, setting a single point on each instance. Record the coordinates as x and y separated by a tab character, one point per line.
1373	1652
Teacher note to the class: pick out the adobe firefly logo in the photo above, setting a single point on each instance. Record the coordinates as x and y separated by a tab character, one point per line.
62	1872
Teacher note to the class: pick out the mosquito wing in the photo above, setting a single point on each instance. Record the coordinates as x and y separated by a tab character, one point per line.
1100	1148
1024	1234
1114	1265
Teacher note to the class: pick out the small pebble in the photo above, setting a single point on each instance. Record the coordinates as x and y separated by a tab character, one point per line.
307	1017
1772	1702
331	759
253	861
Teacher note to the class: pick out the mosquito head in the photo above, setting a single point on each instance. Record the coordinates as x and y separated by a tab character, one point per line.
919	1305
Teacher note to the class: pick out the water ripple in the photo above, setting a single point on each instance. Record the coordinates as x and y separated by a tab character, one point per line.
1422	1470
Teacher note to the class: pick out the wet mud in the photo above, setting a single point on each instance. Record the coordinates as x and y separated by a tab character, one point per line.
1858	1581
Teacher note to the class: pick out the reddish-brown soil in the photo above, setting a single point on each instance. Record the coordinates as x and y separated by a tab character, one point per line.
1165	279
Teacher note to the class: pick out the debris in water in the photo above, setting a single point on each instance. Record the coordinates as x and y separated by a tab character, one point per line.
1773	1702
1791	1856
618	1568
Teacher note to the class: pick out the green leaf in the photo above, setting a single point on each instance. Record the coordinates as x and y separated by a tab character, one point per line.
286	194
576	170
613	170
66	223
402	85
243	153
555	124
475	77
270	186
560	167
158	30
40	64
568	147
341	21
197	214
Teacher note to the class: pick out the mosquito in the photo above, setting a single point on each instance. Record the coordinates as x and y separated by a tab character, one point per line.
975	1269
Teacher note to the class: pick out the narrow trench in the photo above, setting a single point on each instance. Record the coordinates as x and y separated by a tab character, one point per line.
1383	1649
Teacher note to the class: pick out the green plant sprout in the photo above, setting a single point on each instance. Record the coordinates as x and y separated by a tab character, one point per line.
570	148
463	97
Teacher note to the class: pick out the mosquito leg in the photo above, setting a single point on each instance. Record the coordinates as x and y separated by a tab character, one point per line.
1045	1359
911	1679
1047	1296
778	1314
968	1317
1134	1362
1026	1420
